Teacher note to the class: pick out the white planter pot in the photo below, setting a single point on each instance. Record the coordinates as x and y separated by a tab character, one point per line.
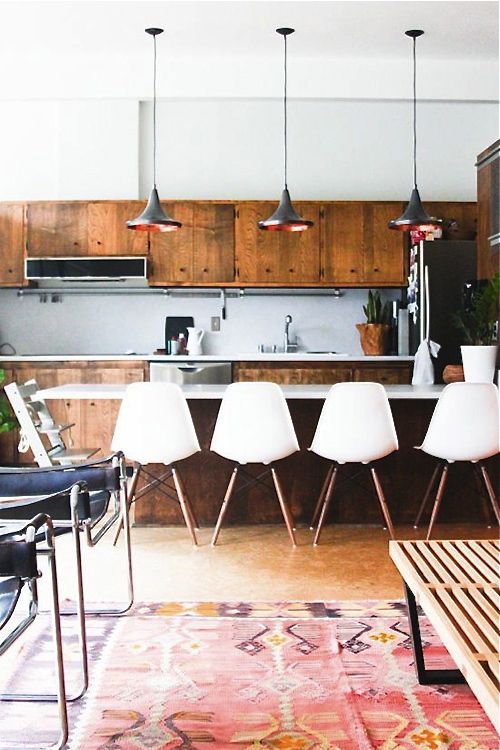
479	363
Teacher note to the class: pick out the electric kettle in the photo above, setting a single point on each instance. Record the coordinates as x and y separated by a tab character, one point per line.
195	336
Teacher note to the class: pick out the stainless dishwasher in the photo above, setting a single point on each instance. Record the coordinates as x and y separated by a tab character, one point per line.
189	373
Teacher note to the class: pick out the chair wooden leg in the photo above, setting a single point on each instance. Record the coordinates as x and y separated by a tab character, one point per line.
130	499
382	501
490	491
184	503
326	503
287	515
437	502
189	505
426	496
482	493
321	498
225	503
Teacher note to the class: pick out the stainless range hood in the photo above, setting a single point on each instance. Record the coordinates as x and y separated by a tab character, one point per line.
86	269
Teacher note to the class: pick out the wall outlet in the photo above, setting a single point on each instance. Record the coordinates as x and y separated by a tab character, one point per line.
215	323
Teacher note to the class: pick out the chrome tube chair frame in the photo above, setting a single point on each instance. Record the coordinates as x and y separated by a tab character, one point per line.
26	570
77	496
108	474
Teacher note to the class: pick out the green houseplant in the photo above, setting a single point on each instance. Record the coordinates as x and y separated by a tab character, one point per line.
478	326
7	422
374	334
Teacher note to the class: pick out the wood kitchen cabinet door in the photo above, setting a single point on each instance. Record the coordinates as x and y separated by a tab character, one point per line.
98	417
464	213
287	258
213	243
12	224
342	242
384	375
57	229
291	373
384	249
108	232
171	253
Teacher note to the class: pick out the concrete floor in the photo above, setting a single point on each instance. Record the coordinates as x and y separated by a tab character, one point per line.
251	563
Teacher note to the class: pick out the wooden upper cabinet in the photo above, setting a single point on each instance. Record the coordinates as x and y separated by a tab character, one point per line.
384	250
12	216
57	229
286	258
213	242
465	214
488	206
358	248
171	253
107	228
342	242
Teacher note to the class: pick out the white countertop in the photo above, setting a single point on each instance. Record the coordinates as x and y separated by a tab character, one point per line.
177	359
215	392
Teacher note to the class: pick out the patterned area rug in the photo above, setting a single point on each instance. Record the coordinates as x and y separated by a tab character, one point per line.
260	676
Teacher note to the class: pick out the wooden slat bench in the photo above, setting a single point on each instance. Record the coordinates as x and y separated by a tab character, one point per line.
457	585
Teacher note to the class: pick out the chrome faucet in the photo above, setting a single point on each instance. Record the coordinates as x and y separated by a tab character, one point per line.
286	346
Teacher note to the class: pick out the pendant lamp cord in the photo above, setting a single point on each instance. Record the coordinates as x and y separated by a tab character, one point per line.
154	112
415	112
285	117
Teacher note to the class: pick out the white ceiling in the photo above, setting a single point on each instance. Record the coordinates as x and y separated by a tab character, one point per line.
98	49
456	30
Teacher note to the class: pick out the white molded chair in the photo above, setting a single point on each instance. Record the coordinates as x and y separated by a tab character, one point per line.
464	427
154	426
355	426
36	421
254	426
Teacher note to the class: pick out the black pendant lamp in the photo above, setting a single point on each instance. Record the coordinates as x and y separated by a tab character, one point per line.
415	215
285	219
154	218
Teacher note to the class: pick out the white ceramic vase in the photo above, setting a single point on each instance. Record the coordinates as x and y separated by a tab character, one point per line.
479	363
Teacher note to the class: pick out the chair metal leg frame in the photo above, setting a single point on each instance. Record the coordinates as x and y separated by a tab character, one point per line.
426	496
91	542
490	491
426	676
326	503
321	497
382	501
76	526
131	497
56	629
287	514
225	503
437	502
185	505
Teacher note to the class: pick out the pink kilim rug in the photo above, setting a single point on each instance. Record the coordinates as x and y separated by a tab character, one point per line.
303	676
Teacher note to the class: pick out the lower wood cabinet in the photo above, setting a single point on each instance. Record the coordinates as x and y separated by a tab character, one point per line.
94	421
322	373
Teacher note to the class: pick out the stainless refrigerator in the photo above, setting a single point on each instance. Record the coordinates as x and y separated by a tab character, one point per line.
438	272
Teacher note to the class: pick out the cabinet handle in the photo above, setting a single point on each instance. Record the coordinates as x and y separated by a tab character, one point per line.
353	270
291	270
268	270
99	242
376	270
205	270
182	270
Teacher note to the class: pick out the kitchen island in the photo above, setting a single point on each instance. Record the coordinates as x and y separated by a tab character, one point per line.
404	474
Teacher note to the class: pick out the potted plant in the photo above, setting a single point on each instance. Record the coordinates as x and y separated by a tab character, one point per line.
479	329
7	422
374	334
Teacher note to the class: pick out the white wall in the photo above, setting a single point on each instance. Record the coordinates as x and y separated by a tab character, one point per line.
338	149
68	149
75	326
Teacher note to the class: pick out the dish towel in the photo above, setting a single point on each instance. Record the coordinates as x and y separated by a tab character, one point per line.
423	369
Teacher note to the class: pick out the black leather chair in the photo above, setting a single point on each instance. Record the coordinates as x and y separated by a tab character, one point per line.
19	570
22	494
